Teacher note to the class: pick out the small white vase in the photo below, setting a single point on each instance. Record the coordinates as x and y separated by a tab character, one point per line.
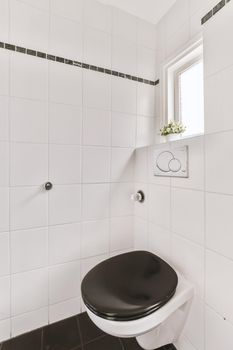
173	137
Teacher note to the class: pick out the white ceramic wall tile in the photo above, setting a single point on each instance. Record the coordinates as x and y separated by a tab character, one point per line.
29	26
65	84
96	164
96	90
140	234
4	118
29	249
124	25
29	164
4	209
219	332
218	53
159	241
178	40
147	34
65	204
188	214
4	160
4	71
146	100
121	203
189	259
98	15
5	297
146	66
64	243
65	124
96	127
122	165
145	131
124	55
5	329
121	233
218	101
29	77
29	321
93	195
28	206
65	164
64	282
176	17
219	150
74	11
219	286
124	96
4	20
28	121
219	223
141	164
159	205
4	254
97	47
43	4
123	130
66	38
29	291
65	309
95	238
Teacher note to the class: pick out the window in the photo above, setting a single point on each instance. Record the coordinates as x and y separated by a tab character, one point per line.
185	90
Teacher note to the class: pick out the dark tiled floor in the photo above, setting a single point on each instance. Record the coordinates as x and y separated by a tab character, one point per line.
75	333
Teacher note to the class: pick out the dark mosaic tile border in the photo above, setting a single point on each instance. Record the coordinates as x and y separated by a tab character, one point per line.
74	333
214	10
63	60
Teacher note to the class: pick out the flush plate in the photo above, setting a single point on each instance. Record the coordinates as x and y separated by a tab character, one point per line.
171	163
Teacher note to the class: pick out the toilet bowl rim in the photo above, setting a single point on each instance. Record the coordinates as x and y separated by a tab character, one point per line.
184	293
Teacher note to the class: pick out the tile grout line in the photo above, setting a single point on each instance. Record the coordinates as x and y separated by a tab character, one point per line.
78	64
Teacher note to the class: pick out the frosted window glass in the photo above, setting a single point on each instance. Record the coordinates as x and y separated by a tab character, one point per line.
191	99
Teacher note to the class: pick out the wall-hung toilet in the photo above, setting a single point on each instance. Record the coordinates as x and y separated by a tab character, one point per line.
137	294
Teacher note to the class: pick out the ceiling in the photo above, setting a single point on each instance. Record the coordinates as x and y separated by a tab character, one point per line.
149	10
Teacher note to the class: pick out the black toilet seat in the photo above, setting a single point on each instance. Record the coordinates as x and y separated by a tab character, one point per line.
129	286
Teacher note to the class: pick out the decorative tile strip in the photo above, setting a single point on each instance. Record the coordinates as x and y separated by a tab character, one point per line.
214	10
83	65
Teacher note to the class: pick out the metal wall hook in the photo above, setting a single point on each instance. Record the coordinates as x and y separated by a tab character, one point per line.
48	186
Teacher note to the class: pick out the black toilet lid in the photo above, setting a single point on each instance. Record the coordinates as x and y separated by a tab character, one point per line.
129	286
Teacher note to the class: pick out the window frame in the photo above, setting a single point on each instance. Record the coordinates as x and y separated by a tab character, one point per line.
192	52
189	64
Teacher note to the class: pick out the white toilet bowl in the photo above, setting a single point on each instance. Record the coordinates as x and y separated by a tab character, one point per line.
158	328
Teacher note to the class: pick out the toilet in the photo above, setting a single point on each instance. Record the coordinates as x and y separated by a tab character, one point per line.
137	294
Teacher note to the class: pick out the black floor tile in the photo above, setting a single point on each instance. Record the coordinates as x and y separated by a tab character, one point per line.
130	344
104	343
63	335
88	329
27	341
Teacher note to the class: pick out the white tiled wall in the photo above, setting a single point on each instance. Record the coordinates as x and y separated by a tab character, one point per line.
189	221
77	129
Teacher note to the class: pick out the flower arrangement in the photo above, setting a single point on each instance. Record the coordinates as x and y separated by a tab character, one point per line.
172	128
